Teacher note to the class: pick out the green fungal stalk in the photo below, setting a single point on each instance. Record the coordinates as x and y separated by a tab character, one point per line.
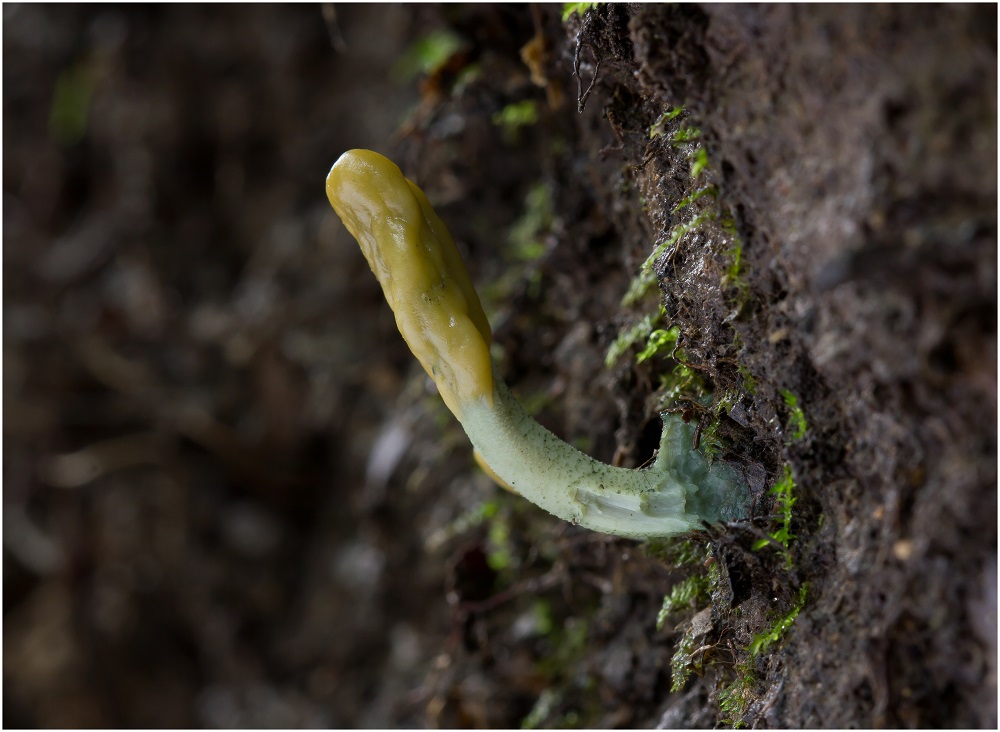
439	315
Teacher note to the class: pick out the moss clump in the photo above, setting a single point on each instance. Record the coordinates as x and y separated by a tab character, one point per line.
735	698
685	595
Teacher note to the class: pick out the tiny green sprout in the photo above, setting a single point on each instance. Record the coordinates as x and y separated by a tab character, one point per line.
736	697
711	443
734	273
762	641
685	135
736	263
693	592
569	9
699	161
630	336
659	340
796	419
641	283
676	233
683	595
681	662
638	287
681	381
783	492
712	191
728	222
657	129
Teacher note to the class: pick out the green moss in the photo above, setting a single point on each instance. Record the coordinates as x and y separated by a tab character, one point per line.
797	424
466	78
675	234
569	9
464	523
638	287
699	161
684	595
525	241
685	135
534	402
749	383
567	644
680	381
698	155
696	590
427	54
542	612
659	341
774	633
712	191
735	698
630	336
734	273
514	117
676	552
517	115
711	443
682	663
646	277
656	130
784	497
735	268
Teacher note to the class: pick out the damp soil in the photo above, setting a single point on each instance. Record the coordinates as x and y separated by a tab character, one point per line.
231	497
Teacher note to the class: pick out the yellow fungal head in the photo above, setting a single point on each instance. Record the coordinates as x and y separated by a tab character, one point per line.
421	272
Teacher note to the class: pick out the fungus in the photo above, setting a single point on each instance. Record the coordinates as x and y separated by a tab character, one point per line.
439	315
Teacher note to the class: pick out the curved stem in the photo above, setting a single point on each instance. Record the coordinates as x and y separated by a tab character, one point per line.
674	495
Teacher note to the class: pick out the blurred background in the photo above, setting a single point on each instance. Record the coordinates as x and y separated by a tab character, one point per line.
230	496
186	354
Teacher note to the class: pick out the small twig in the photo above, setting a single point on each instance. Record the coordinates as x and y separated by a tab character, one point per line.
581	96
